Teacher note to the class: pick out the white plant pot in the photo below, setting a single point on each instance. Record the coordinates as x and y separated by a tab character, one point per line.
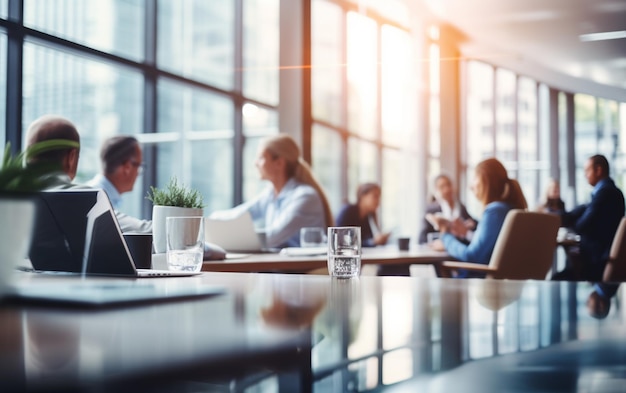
15	236
159	215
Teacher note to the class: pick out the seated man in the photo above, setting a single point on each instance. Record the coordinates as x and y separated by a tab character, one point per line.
55	127
121	158
595	222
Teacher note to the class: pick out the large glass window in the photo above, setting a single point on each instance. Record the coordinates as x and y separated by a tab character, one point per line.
506	142
200	150
328	68
529	165
586	142
362	75
479	103
258	123
115	26
327	163
260	54
364	98
398	120
195	39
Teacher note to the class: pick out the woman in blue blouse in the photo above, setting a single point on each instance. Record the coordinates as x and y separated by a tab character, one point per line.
498	194
293	200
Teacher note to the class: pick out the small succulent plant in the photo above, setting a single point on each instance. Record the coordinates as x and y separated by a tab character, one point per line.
175	195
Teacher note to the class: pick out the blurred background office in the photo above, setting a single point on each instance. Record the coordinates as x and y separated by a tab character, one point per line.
397	91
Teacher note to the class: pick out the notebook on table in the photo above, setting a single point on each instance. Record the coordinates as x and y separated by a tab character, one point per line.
76	231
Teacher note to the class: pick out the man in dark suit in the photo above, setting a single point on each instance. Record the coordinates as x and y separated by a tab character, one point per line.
595	222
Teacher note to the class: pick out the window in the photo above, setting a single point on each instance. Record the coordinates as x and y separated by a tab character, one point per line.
362	75
328	66
196	40
328	164
260	54
200	148
364	99
506	139
258	122
115	26
529	164
586	141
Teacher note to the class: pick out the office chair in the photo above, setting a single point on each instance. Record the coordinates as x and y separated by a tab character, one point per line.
615	270
524	249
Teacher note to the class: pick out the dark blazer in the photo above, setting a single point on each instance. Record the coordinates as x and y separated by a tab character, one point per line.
432	208
596	223
349	216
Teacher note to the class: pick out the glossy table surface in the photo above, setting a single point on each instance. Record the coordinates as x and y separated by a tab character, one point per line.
417	254
369	333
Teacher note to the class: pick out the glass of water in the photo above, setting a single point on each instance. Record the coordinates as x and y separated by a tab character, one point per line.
344	251
312	237
185	243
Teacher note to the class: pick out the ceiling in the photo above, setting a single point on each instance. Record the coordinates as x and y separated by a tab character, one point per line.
540	38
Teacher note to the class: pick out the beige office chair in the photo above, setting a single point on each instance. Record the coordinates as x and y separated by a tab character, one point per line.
524	249
615	270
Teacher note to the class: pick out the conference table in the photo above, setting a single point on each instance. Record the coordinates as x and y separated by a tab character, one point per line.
293	332
279	262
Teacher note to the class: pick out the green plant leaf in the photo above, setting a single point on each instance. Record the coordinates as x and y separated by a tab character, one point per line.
175	195
15	176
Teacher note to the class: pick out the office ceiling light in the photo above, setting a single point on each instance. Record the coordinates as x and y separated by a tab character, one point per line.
607	35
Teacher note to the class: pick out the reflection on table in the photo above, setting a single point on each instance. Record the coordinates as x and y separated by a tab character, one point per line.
389	255
300	332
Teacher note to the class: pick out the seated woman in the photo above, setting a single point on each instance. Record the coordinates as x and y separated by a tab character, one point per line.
498	194
446	205
363	214
553	202
294	199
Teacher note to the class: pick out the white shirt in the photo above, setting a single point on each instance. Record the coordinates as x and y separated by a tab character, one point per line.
296	206
100	181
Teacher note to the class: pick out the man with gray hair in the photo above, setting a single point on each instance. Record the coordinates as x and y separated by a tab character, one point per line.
121	159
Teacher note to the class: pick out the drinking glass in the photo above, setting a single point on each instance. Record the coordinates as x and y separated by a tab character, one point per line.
312	237
185	243
344	251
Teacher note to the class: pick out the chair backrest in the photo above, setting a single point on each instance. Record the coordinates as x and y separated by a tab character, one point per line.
525	246
615	269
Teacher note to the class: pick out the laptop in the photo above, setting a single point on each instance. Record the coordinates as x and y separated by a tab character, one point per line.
76	231
234	233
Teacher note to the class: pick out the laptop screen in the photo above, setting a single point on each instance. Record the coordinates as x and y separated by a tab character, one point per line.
76	231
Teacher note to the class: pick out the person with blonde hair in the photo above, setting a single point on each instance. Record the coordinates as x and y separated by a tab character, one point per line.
552	202
294	200
498	194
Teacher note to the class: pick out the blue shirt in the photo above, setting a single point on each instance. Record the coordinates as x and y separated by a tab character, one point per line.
296	206
100	181
481	247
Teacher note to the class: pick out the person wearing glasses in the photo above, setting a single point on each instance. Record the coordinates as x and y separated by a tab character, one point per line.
121	158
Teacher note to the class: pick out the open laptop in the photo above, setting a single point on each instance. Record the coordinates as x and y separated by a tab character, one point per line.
76	231
235	234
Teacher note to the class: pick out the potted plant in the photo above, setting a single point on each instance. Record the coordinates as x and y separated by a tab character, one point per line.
172	201
17	209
